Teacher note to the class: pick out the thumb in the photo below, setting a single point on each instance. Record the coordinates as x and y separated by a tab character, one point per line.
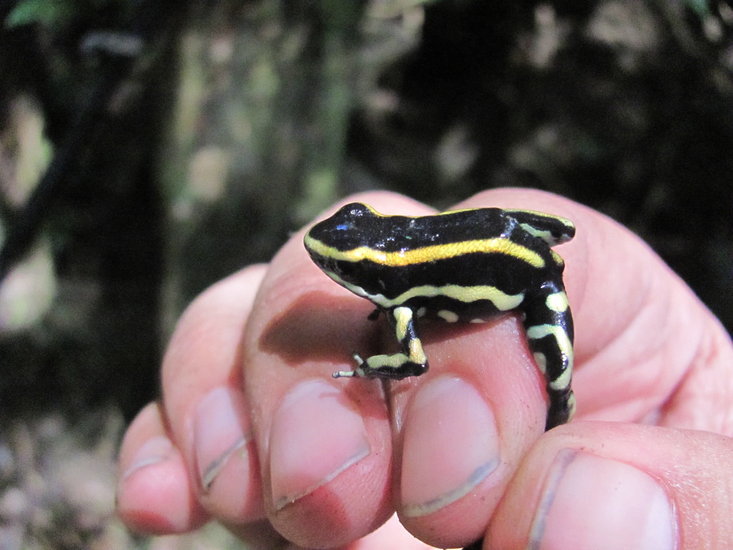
615	485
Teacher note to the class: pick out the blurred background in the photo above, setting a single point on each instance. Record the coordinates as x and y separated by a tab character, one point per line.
149	148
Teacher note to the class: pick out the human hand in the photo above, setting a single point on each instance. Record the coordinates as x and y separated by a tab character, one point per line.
279	444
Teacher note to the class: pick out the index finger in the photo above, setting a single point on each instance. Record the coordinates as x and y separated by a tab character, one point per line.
324	446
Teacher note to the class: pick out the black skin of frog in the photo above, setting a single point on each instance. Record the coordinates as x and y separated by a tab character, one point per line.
459	266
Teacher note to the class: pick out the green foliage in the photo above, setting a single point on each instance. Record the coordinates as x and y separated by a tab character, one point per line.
51	12
700	7
45	12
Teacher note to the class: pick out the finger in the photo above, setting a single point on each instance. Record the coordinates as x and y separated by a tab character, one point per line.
204	401
616	485
324	445
631	359
390	536
646	349
154	495
464	425
640	331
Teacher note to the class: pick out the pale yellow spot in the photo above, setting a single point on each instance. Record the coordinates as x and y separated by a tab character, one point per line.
477	320
448	316
557	302
571	405
562	339
417	354
563	381
392	361
403	316
541	361
539	233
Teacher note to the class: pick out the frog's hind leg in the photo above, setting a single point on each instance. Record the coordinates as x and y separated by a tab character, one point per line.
549	326
410	362
552	229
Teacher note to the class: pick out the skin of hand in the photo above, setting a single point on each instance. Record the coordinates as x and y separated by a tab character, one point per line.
253	432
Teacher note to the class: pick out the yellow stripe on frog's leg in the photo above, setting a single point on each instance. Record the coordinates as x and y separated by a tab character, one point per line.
410	362
549	327
552	229
404	323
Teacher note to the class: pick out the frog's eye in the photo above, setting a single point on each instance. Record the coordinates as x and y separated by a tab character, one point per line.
357	210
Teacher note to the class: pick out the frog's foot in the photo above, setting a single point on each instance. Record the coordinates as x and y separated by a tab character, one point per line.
394	367
562	407
358	372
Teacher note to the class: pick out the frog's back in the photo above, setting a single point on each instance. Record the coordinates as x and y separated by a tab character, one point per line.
462	257
394	233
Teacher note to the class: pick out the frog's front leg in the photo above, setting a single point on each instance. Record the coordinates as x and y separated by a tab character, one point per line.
410	362
549	326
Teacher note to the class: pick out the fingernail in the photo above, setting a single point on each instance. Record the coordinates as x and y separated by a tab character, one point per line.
594	502
451	445
316	434
153	451
220	439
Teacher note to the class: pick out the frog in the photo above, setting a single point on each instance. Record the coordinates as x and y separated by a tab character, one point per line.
467	265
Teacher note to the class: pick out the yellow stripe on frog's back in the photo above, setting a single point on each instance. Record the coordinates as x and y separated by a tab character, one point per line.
423	254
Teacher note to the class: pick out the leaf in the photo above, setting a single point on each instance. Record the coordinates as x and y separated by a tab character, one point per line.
700	7
46	12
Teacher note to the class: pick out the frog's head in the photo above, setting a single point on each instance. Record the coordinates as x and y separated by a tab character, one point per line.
337	243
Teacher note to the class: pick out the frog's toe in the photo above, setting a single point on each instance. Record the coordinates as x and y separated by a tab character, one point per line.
358	372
